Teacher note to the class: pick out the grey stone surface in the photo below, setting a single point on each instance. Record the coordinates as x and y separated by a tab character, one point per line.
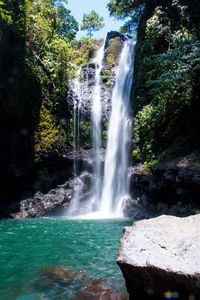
160	255
56	201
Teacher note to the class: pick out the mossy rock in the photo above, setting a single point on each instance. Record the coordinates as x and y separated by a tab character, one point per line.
113	52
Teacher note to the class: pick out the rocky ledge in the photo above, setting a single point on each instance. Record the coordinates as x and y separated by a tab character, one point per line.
174	183
56	201
160	258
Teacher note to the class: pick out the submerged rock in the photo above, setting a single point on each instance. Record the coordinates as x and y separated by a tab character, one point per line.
98	291
160	257
91	289
58	273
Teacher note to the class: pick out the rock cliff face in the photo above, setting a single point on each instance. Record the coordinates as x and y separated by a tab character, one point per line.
20	100
172	187
159	258
174	179
113	47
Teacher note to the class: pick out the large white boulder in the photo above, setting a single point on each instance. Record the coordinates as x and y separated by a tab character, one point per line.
160	257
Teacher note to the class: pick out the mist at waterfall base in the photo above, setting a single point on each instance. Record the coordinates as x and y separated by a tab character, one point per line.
29	247
111	185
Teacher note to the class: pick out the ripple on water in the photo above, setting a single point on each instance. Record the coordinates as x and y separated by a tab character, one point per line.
27	247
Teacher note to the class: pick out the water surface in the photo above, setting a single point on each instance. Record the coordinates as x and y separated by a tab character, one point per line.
27	247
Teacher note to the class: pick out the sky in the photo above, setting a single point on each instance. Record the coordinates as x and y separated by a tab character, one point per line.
80	7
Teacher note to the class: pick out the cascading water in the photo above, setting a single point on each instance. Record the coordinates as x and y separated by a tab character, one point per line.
76	118
106	199
78	95
96	122
115	184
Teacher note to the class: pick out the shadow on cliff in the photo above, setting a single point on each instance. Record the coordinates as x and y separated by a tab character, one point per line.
20	102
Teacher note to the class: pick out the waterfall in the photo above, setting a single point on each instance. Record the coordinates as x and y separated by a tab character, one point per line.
96	122
112	185
78	95
76	119
115	183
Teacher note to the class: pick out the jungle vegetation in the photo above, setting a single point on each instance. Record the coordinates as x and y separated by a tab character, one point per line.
39	54
167	71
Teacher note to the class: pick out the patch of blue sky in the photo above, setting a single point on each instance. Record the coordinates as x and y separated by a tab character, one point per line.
80	7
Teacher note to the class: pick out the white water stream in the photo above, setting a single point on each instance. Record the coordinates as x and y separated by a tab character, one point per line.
78	91
94	203
116	183
108	192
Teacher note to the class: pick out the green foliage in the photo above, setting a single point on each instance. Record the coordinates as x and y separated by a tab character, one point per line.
48	21
104	136
51	29
129	10
136	155
4	13
51	33
84	50
36	41
109	83
122	9
92	22
67	26
147	166
106	75
85	134
111	60
48	133
167	69
172	85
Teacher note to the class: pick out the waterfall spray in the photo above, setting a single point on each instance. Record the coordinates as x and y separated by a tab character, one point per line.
115	184
96	122
112	185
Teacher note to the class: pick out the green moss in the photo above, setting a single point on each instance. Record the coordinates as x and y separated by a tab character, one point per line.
114	49
104	132
148	165
85	134
111	60
106	75
109	84
48	133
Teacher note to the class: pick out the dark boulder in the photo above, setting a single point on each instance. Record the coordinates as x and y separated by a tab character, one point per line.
175	183
112	35
56	201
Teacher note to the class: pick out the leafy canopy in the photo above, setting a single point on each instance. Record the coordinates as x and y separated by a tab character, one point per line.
129	10
67	26
92	22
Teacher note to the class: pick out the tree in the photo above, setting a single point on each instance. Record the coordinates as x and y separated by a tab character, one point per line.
67	26
92	22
